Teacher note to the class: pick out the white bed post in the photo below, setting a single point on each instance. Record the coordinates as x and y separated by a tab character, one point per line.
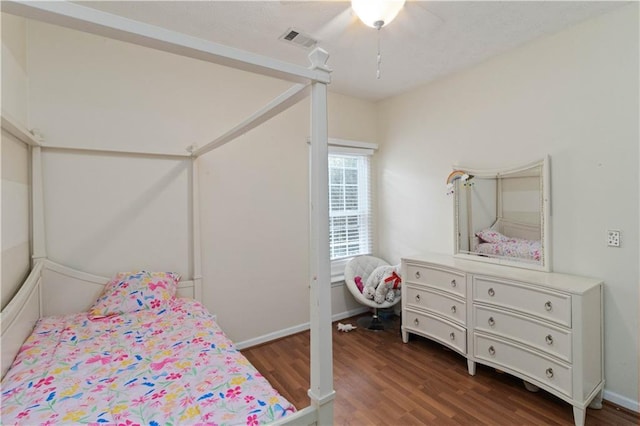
321	391
38	250
195	230
471	233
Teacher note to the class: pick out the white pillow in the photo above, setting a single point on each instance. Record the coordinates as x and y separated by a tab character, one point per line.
491	236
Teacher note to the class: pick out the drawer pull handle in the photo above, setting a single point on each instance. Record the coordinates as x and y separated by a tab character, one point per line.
549	339
491	292
453	309
491	322
452	336
453	283
492	350
549	373
416	321
548	306
417	297
417	274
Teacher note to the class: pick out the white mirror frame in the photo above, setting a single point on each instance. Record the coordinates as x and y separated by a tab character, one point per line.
545	215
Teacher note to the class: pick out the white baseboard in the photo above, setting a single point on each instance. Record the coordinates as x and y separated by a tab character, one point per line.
349	314
295	329
622	401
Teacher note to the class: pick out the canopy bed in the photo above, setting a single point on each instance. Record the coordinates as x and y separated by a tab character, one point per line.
56	290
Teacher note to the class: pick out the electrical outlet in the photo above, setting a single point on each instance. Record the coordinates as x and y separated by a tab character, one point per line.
613	238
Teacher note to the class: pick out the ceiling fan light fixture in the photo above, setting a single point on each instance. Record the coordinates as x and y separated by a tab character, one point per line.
377	13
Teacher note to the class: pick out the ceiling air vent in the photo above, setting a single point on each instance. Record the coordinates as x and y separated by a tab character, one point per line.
298	38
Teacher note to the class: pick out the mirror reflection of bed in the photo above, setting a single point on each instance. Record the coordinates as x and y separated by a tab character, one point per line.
501	215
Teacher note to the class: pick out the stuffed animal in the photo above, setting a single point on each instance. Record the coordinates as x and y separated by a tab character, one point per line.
345	327
373	280
383	284
389	287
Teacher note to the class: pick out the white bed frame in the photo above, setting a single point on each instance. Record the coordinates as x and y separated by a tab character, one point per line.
515	229
511	228
53	289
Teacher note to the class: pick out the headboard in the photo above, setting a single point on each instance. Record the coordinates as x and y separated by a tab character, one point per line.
54	289
514	229
66	290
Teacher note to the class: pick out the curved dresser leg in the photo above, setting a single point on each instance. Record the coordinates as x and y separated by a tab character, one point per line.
405	337
471	366
579	415
596	404
530	386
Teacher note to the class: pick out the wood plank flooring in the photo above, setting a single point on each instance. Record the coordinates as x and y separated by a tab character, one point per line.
381	381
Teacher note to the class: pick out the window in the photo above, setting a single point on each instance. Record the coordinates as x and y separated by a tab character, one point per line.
350	206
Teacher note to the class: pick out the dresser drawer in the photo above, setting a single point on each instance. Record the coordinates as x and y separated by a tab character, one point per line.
442	279
439	329
546	304
552	340
440	303
532	365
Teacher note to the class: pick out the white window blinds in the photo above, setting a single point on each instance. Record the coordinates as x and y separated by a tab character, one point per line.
350	205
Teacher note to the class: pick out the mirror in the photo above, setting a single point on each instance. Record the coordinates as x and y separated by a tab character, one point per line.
502	215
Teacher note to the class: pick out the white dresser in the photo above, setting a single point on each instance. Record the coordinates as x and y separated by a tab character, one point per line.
543	327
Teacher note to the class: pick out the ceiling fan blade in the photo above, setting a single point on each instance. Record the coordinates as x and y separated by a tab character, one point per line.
416	19
424	6
336	26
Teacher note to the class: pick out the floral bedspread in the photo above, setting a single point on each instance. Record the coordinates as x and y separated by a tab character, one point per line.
513	247
175	367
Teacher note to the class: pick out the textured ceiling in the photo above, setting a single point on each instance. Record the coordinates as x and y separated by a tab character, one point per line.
427	40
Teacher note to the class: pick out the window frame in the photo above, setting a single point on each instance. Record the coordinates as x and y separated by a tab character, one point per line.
342	146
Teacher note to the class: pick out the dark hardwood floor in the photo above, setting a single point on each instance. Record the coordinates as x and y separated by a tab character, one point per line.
381	381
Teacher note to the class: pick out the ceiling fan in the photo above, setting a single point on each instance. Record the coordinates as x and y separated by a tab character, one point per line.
373	13
412	15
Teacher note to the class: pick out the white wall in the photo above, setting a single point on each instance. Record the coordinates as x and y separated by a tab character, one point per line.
15	215
256	232
108	213
15	160
572	95
14	67
105	213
